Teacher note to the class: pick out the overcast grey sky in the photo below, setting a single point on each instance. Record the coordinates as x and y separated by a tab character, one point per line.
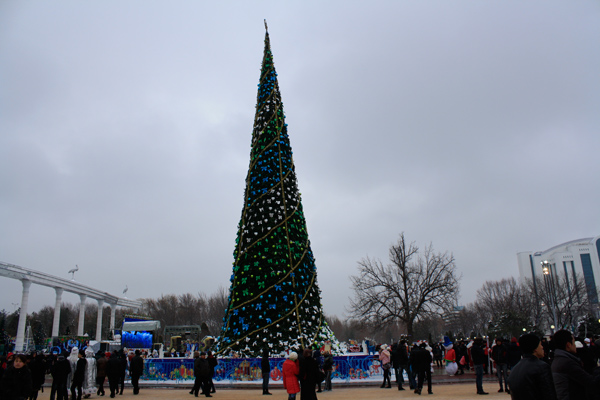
125	132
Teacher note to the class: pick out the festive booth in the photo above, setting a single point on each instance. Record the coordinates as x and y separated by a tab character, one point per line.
139	334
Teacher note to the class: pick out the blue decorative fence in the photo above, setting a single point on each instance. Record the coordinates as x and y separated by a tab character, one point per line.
348	368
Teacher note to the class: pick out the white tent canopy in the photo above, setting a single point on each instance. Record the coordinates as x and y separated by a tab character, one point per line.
140	326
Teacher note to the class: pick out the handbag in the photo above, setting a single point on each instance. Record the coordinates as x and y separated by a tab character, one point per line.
320	376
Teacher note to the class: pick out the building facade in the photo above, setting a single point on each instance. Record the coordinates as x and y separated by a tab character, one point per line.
578	257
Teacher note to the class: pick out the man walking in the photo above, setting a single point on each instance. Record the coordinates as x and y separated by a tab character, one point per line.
136	369
422	365
204	373
531	378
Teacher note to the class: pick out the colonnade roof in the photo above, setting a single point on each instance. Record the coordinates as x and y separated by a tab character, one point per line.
41	278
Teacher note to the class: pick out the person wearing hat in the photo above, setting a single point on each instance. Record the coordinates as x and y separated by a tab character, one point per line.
531	378
586	355
291	370
384	359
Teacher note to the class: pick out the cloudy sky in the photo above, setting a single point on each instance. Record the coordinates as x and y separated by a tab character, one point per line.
125	132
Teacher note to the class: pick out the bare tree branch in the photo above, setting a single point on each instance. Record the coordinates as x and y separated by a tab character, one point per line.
408	289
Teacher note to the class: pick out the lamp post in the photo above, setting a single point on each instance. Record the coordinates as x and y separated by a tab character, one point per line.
549	283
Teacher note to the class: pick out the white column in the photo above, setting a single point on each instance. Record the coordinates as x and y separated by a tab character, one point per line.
83	298
99	320
113	315
57	305
22	316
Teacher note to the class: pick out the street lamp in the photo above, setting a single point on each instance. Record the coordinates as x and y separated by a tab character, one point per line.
549	283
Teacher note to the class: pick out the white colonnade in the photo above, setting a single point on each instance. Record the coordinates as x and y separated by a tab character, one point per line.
60	285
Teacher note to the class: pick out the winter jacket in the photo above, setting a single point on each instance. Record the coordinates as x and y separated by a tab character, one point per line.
265	364
136	366
16	383
101	367
202	368
79	374
395	357
570	379
478	355
328	363
113	368
420	359
384	357
513	354
309	370
291	370
531	379
499	354
60	370
38	371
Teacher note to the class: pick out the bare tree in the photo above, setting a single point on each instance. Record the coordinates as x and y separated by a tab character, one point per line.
189	309
216	306
561	297
408	289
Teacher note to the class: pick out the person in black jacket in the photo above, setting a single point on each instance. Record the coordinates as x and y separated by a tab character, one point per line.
308	376
113	373
499	355
60	371
136	369
395	359
37	366
531	378
571	381
16	381
328	369
479	360
197	380
212	363
265	369
78	376
122	357
204	373
513	353
403	364
421	362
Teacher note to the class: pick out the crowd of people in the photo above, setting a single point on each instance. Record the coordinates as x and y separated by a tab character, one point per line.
79	374
305	371
563	368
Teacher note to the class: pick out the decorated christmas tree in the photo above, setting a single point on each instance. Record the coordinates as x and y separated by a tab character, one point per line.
274	299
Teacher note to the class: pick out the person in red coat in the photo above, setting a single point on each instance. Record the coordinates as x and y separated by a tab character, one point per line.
290	370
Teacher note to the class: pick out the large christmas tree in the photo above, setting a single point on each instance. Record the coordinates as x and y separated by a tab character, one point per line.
274	300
